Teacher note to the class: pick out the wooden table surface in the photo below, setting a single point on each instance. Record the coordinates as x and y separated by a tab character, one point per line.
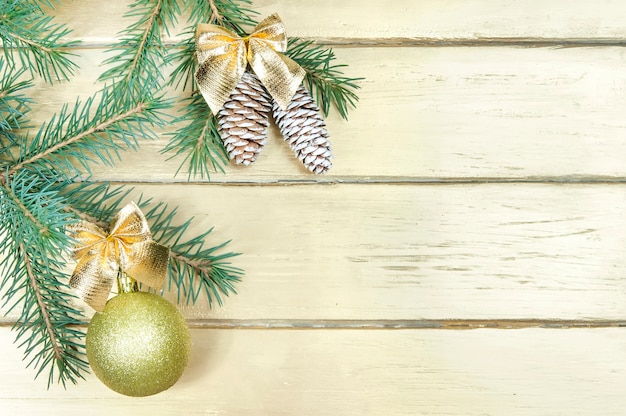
464	256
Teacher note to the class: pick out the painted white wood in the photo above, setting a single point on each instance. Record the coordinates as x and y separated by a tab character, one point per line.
347	372
484	251
373	21
434	113
386	246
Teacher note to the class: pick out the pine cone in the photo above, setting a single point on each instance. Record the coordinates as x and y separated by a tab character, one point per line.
302	125
244	119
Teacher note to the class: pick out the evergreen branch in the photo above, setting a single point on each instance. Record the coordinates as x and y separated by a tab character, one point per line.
27	32
138	65
199	139
234	15
13	104
193	269
215	13
43	4
324	79
41	304
141	47
79	135
33	282
97	203
14	107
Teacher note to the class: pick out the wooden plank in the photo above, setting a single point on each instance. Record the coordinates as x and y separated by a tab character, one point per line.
353	21
242	372
375	252
436	113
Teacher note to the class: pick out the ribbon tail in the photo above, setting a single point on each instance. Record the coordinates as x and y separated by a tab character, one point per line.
218	75
151	266
280	75
92	279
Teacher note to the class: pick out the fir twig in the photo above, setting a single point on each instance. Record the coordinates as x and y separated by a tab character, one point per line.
194	268
27	32
138	64
198	139
77	135
324	78
13	103
33	282
14	106
35	215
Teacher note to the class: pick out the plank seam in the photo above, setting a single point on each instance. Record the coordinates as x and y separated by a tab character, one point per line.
543	180
428	42
392	324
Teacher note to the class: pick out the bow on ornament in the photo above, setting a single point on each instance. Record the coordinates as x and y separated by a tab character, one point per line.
223	57
127	247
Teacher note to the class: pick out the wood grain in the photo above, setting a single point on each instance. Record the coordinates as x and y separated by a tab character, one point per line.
354	21
474	210
483	251
449	114
261	372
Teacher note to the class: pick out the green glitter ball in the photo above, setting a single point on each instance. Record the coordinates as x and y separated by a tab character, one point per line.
139	345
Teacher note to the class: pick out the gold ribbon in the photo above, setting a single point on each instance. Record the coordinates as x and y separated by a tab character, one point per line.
127	247
223	56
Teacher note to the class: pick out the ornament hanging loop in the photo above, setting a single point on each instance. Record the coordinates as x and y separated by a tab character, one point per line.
125	283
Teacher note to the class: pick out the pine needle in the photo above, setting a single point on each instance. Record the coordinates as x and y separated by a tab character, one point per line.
33	282
90	132
324	78
137	64
30	37
198	139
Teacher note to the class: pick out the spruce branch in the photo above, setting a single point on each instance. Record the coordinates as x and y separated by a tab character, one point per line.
39	197
194	269
198	139
13	103
33	282
324	78
43	4
234	15
86	135
94	202
14	107
138	64
31	36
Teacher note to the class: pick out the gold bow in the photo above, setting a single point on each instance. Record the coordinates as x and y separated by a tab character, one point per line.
223	56
128	247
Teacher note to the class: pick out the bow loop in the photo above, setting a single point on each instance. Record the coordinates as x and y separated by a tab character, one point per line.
223	57
128	247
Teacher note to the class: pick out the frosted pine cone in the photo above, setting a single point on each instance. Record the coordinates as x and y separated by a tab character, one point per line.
303	127
244	119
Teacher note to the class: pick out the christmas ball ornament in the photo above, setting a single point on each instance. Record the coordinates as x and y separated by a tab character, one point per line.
139	345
